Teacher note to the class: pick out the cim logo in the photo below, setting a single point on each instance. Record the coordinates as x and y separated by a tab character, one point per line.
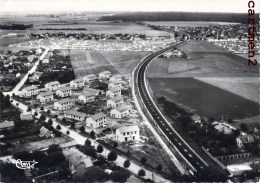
25	164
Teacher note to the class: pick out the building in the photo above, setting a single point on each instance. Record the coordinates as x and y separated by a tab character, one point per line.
44	132
114	84
244	139
45	97
26	116
238	169
104	75
127	133
196	118
86	97
30	91
113	92
96	120
77	83
55	85
222	128
115	102
116	77
120	112
75	115
90	78
64	92
6	125
92	90
63	104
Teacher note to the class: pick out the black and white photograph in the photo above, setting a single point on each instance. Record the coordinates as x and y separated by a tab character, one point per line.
133	91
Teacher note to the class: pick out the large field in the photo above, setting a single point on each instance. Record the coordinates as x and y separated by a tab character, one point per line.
91	61
187	23
204	99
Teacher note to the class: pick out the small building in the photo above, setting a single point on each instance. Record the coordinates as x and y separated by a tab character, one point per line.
86	97
77	83
96	120
30	91
45	97
63	104
115	102
64	92
44	132
90	78
116	77
26	116
55	85
114	84
223	129
196	118
244	139
75	115
104	75
238	169
127	133
120	112
92	90
6	125
113	92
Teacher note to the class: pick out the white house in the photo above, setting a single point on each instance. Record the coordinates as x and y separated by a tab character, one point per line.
77	83
104	75
116	77
244	139
96	120
127	133
120	112
30	91
75	115
45	97
113	92
63	104
64	92
89	78
86	97
26	116
115	102
55	85
92	90
114	84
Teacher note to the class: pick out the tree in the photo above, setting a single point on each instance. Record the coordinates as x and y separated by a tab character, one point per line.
29	109
42	108
56	116
244	127
95	174
50	122
143	160
67	132
6	101
58	127
10	173
90	151
43	117
17	104
100	149
82	129
159	168
120	175
112	156
35	113
115	144
48	111
54	148
92	134
63	120
72	125
87	143
127	163
141	172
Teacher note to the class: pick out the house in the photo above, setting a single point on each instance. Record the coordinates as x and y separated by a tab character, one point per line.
104	75
26	116
75	115
116	77
120	112
113	92
86	97
196	118
63	104
30	91
96	120
114	84
89	78
77	83
45	97
92	90
115	102
238	169
78	162
6	125
64	92
222	128
44	132
127	133
55	85
244	139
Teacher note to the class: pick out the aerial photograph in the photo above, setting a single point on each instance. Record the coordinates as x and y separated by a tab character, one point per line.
129	91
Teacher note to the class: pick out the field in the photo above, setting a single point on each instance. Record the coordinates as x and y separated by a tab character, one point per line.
91	61
201	46
187	23
204	99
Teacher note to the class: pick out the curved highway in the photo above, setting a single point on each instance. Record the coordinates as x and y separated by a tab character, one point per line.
197	167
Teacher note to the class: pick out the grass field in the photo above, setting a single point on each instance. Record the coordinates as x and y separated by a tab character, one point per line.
201	46
187	23
91	61
203	99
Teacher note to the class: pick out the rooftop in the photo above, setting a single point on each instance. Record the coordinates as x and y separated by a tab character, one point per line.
76	113
31	87
65	89
87	89
48	93
77	80
106	72
122	108
117	98
62	101
115	89
6	124
98	116
53	83
238	167
91	76
124	129
88	94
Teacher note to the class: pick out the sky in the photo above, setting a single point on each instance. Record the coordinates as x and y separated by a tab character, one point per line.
45	6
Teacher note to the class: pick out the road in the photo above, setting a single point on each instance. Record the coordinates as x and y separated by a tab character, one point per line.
195	162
